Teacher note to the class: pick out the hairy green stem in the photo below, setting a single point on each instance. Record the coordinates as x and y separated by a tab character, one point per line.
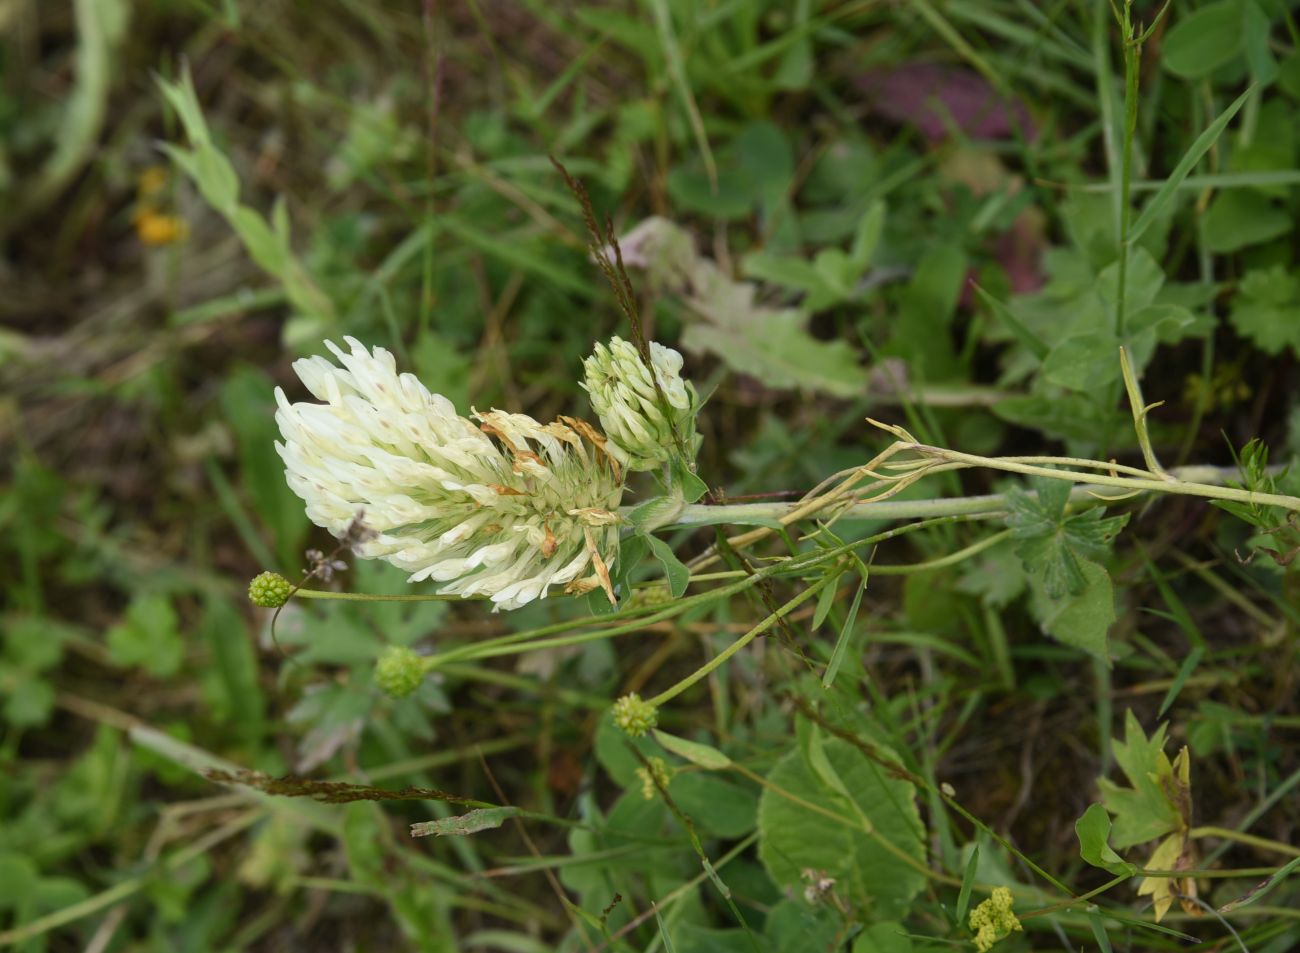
1202	481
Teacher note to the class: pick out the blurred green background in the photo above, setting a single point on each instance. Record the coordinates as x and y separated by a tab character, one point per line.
381	169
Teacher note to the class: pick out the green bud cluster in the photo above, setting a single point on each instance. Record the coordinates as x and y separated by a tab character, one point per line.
654	777
269	590
399	671
650	596
635	716
647	425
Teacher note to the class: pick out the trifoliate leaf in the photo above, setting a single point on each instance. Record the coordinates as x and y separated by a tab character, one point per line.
1053	544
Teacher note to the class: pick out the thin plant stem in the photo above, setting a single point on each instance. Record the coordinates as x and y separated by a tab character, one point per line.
378	597
767	623
1263	843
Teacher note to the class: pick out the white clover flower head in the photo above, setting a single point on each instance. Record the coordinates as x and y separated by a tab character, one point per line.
639	423
504	508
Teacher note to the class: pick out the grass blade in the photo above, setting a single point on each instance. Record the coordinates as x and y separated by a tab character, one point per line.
1185	165
1184	672
967	881
846	631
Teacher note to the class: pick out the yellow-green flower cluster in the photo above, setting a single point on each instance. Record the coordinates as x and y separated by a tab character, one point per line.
993	920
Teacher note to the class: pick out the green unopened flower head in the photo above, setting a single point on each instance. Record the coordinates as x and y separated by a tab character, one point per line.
646	426
399	671
650	596
634	715
993	920
269	590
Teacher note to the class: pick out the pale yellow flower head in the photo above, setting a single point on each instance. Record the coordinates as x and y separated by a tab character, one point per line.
500	506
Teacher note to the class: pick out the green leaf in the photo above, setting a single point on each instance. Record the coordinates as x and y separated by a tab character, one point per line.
233	691
1184	673
796	274
774	347
248	407
1083	361
1144	811
18	877
28	698
1240	218
1068	416
697	753
148	637
1266	310
867	238
1256	35
1093	830
34	643
794	838
1288	77
654	513
717	806
1052	544
887	937
1082	618
967	881
1185	165
845	636
480	819
826	599
1199	43
77	123
1262	888
690	485
675	571
1028	339
926	310
1142	283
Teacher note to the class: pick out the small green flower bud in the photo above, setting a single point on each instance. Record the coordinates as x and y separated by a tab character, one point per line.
269	590
650	596
643	423
634	715
653	778
399	671
993	919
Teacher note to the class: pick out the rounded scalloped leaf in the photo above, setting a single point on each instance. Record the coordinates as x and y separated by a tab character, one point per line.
794	839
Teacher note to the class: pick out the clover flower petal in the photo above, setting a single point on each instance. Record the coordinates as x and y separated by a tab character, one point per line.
500	506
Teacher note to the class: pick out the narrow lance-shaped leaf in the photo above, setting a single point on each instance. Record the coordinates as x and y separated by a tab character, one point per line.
482	819
1185	165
